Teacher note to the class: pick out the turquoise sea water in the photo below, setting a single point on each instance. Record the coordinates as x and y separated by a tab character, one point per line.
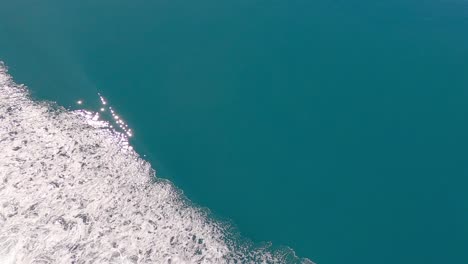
336	128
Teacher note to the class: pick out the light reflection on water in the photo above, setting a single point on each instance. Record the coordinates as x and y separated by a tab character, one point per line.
115	121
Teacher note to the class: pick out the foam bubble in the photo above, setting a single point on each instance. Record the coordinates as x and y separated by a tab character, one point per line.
72	190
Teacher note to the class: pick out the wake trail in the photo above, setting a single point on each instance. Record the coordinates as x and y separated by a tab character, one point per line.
72	190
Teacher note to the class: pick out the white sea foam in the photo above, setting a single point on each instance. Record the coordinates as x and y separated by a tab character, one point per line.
72	190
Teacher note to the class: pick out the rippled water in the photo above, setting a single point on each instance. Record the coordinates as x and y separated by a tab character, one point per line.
72	190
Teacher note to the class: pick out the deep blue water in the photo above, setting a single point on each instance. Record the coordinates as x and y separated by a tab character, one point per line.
337	128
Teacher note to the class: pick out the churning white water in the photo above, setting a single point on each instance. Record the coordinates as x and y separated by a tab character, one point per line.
73	191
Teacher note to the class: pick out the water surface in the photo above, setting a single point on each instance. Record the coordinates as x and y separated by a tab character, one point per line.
338	129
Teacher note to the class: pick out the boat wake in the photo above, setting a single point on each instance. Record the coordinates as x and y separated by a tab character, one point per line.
72	190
